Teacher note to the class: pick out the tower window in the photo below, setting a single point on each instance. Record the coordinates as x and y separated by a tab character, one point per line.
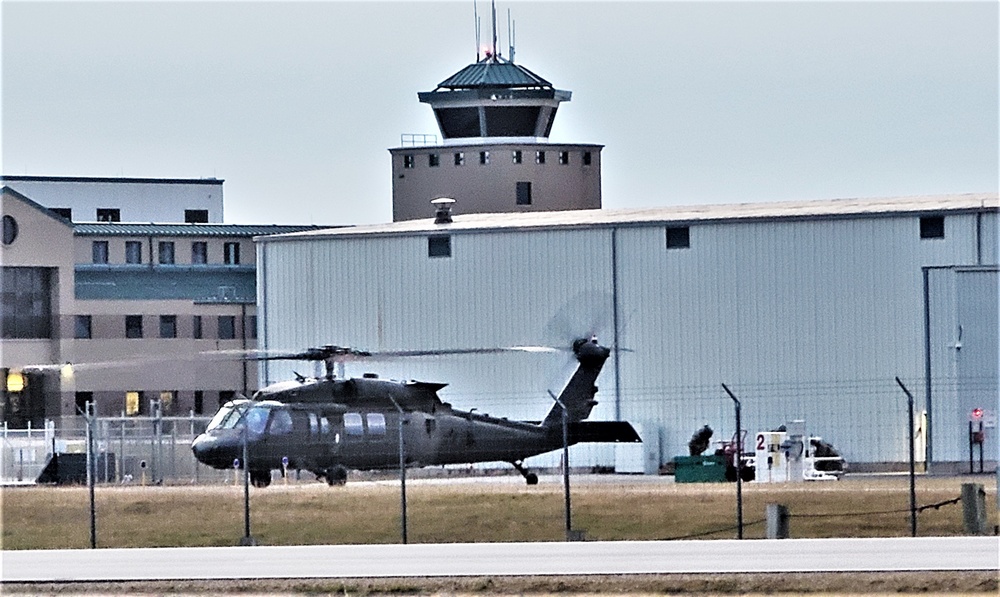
133	251
231	253
678	237
106	214
99	251
932	227
199	252
460	158
168	326
166	251
408	161
196	330
539	157
524	193
439	246
196	216
586	158
83	327
433	160
484	157
133	326
563	157
515	156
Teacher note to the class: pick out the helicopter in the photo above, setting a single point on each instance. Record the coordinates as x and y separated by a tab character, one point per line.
328	425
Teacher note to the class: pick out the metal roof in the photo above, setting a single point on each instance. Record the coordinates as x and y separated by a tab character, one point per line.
494	72
15	178
142	229
589	218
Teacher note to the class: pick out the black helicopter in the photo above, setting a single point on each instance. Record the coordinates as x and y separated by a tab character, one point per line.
327	425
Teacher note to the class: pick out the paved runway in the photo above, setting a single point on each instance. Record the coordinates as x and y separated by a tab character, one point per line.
504	559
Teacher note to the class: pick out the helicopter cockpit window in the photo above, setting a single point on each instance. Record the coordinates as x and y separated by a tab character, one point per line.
353	424
256	420
376	423
281	422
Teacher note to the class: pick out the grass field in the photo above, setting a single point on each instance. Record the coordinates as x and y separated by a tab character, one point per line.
492	510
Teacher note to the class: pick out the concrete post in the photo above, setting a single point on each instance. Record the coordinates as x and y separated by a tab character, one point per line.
777	521
974	509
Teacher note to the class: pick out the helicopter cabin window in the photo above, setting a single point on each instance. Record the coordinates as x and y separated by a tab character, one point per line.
353	424
281	422
313	424
376	423
256	419
324	426
439	246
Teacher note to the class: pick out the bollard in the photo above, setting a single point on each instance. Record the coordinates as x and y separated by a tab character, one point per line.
777	521
974	509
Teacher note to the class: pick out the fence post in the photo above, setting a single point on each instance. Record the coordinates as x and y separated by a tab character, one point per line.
777	521
974	509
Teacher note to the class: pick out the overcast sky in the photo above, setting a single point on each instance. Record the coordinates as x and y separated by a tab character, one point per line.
296	104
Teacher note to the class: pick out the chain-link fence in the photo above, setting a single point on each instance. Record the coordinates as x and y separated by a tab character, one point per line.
139	450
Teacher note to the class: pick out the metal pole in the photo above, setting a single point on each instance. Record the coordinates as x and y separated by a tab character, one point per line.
247	539
739	463
402	472
91	472
913	470
566	493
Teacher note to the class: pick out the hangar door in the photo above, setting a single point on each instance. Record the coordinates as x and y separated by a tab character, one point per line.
964	363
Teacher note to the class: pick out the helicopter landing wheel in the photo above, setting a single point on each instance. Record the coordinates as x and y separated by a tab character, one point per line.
531	479
336	475
260	478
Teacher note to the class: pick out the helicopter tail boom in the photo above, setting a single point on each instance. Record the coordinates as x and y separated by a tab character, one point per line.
578	395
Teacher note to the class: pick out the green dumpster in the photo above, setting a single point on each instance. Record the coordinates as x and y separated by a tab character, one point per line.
700	469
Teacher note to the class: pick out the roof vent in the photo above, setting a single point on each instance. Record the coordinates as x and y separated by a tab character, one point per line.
442	210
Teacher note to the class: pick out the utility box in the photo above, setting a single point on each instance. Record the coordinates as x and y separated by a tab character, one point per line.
700	469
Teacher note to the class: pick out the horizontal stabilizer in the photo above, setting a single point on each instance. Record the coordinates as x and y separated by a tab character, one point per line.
602	431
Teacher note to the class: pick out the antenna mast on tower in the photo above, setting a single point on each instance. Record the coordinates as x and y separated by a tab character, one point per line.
493	3
475	15
510	37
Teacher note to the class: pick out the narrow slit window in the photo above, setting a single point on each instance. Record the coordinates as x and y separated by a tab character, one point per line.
433	160
460	159
539	157
408	161
563	157
516	156
484	157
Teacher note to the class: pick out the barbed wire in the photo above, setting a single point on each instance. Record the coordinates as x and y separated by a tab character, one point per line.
714	531
878	512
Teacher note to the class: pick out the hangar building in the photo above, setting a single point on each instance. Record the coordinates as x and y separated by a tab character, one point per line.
806	310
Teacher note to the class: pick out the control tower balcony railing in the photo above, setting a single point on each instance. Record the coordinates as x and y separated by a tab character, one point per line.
417	140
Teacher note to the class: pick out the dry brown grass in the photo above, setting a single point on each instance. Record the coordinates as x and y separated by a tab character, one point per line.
365	512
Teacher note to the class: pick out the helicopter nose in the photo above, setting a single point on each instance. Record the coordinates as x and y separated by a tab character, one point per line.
209	450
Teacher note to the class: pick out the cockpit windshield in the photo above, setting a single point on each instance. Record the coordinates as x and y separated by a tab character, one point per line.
233	414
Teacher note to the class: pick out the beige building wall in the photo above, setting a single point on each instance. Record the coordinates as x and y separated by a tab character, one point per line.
564	181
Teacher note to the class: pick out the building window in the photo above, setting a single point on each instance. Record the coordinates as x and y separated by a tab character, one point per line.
678	237
199	252
196	328
408	161
524	193
105	214
226	396
433	160
99	251
932	227
484	157
82	400
195	216
133	403
166	250
168	326
62	212
439	246
133	251
232	253
515	156
133	326
586	158
376	423
251	327
199	402
563	157
25	302
539	157
82	329
460	158
227	327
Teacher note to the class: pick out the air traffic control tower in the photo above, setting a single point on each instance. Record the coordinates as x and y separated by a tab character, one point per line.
494	118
